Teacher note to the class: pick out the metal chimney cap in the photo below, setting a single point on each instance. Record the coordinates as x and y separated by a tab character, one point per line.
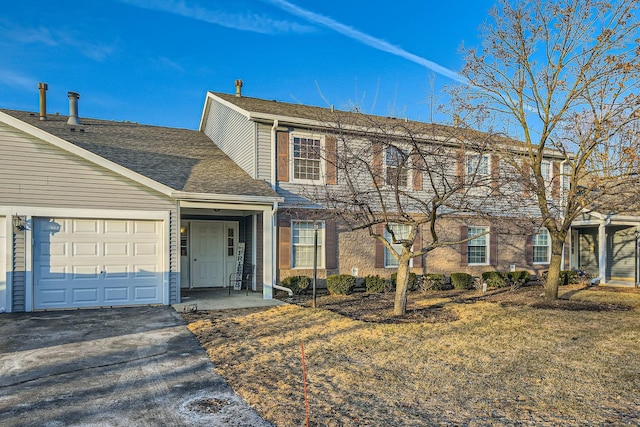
75	95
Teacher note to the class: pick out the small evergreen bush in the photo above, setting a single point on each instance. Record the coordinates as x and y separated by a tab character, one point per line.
518	278
494	279
436	282
341	284
567	277
461	281
412	280
375	284
298	284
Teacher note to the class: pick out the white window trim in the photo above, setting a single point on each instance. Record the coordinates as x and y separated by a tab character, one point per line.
321	248
407	167
487	245
292	174
386	251
533	246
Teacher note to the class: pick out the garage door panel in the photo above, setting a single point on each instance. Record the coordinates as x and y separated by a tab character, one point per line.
85	249
97	262
85	296
85	226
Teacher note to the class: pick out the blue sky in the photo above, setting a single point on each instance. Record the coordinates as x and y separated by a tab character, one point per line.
152	61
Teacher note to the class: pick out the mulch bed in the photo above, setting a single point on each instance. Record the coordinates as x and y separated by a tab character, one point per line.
378	308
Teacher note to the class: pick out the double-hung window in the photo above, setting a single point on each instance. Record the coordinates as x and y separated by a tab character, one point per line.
477	166
307	158
478	247
541	247
302	244
396	168
401	232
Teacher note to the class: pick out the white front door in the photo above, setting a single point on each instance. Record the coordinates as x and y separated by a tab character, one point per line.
213	252
97	262
207	255
3	265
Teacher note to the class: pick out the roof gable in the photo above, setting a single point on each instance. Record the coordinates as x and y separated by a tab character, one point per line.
166	159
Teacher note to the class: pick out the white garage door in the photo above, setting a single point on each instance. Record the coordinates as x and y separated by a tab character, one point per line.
96	262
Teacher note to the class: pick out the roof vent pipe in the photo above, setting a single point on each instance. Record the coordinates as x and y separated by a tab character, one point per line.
73	108
43	100
238	88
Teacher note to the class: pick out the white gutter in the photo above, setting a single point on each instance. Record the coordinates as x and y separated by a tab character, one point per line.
274	153
228	198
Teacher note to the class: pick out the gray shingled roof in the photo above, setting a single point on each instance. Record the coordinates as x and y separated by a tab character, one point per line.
367	122
182	159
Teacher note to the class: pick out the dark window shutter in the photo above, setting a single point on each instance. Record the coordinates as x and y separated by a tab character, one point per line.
376	164
417	165
493	247
528	249
331	244
282	142
284	242
331	166
555	189
464	246
417	245
379	247
495	172
460	170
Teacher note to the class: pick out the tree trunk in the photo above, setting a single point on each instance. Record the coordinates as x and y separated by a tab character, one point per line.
555	263
402	283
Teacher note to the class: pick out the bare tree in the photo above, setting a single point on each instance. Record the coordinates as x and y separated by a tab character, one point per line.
564	74
398	178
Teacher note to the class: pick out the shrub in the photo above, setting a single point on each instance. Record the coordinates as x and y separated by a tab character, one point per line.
567	277
461	280
375	284
298	284
518	278
341	284
413	279
436	282
494	279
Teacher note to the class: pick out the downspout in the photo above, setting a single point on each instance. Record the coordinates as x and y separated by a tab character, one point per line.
275	251
274	155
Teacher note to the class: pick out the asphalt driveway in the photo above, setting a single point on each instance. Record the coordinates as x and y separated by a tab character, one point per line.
111	367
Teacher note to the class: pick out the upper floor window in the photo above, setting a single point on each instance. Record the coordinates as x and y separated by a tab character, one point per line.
478	247
401	231
302	244
395	164
541	247
477	164
546	170
307	159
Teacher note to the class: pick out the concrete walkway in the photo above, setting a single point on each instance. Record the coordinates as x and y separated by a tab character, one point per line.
111	367
221	299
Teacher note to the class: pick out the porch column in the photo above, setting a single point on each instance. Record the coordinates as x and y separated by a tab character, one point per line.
268	253
602	253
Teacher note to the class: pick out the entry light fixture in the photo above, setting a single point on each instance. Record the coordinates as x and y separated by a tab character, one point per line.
19	223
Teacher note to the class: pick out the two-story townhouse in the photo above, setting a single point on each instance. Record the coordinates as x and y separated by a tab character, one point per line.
280	143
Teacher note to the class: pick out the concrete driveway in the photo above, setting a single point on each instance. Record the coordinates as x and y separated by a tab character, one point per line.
111	367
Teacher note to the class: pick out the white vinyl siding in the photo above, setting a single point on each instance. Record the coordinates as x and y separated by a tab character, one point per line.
264	152
233	134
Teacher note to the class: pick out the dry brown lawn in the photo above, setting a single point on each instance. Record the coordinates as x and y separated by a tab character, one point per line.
457	358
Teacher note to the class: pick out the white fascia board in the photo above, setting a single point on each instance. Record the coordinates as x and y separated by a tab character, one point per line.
229	206
85	154
182	197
